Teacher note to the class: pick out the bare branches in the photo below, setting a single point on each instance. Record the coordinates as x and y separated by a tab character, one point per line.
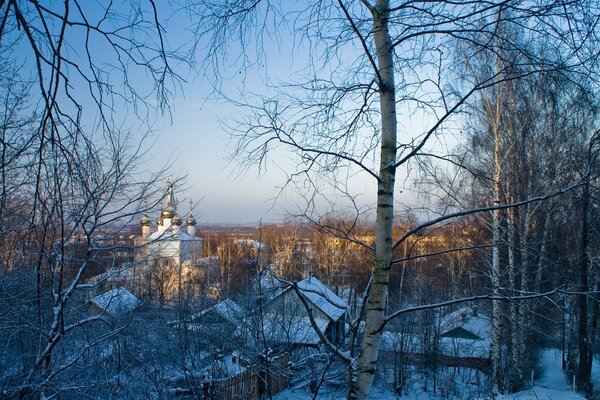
463	213
68	166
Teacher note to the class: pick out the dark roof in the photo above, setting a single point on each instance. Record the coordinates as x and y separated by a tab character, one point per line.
460	333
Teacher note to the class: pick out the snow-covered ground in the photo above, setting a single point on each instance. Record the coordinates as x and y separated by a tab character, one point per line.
551	385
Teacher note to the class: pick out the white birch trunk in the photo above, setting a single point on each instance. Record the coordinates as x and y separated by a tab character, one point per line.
543	249
515	313
496	303
495	349
364	372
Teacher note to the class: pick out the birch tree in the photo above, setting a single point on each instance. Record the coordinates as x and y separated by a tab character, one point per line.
370	70
510	162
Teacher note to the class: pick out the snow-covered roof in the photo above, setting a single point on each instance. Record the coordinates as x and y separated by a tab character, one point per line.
323	298
466	332
117	301
228	309
251	243
296	330
467	319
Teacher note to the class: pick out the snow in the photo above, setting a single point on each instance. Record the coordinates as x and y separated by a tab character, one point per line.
117	301
296	330
228	365
323	298
458	347
469	320
227	308
551	385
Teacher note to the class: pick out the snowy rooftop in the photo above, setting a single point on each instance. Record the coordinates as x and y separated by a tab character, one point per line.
297	330
466	332
117	301
467	319
323	298
228	309
251	243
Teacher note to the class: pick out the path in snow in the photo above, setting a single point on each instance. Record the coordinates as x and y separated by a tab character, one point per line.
552	385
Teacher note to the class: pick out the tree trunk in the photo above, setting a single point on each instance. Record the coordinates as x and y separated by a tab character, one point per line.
584	368
516	334
496	303
496	242
364	372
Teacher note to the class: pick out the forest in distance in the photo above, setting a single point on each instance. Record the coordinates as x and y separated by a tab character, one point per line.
442	157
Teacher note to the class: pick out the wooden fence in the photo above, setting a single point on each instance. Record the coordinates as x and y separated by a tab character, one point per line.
251	383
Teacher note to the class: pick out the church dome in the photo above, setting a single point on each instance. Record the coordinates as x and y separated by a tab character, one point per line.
176	220
146	221
190	220
168	212
159	222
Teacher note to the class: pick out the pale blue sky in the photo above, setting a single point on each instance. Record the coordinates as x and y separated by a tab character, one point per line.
200	146
194	142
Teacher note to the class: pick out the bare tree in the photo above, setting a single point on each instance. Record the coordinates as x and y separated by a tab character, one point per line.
371	68
70	168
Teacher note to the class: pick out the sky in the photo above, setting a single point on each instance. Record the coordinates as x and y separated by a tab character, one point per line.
192	140
200	148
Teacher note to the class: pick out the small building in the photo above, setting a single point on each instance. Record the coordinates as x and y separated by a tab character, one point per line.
465	338
286	318
115	303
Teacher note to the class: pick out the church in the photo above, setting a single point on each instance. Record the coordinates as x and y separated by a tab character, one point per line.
170	242
167	263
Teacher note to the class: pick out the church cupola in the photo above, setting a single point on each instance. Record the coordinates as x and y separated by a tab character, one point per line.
176	223
168	212
146	222
191	225
191	222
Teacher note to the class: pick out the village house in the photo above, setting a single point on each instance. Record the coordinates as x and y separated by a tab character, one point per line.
285	318
115	303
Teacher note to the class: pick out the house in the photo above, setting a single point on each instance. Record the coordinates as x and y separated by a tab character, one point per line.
115	303
465	338
466	333
286	319
215	327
